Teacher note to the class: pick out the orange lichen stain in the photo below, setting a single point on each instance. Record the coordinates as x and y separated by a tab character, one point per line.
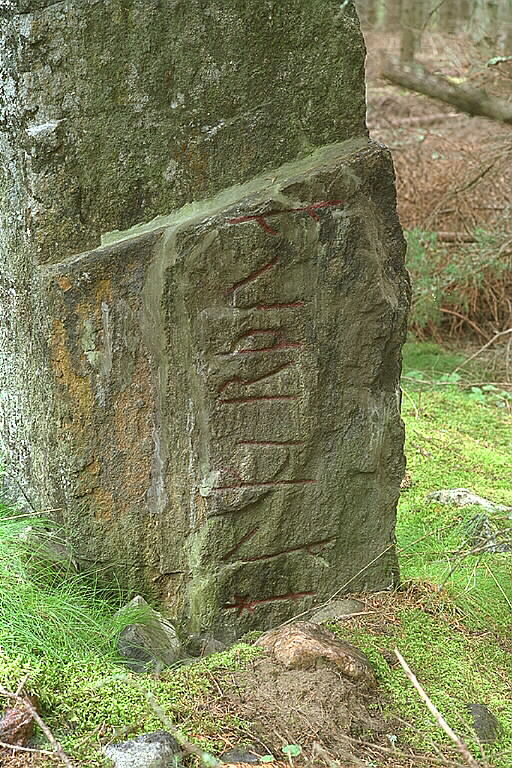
132	432
102	504
103	291
78	387
91	309
64	283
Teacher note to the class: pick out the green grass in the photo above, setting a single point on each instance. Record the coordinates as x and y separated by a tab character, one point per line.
456	441
457	639
44	615
454	668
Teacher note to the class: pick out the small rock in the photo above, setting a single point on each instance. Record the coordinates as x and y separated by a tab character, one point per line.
49	547
150	644
203	645
303	645
16	724
462	497
485	725
337	609
239	755
151	750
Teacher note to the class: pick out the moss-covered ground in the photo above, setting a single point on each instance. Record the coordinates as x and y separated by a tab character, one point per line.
451	619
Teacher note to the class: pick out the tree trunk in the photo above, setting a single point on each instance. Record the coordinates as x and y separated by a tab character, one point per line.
409	38
449	16
483	27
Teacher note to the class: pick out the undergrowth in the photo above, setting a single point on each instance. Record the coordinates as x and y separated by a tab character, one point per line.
460	288
48	611
59	628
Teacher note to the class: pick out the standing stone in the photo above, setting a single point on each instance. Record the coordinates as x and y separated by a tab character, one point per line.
208	401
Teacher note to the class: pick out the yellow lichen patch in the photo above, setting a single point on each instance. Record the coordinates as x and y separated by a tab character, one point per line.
78	387
64	283
132	431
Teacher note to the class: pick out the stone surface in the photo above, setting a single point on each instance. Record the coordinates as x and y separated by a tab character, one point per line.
126	110
17	724
48	546
113	112
151	750
148	645
304	645
484	723
462	497
228	389
209	402
486	535
337	609
203	645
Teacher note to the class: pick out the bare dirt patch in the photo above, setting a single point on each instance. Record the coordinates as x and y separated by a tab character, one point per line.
288	706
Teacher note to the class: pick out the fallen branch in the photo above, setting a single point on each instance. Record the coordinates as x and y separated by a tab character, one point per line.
19	748
464	751
471	100
455	237
463	317
401	753
23	702
482	349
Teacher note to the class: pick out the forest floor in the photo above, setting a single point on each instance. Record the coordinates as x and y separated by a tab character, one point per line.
451	618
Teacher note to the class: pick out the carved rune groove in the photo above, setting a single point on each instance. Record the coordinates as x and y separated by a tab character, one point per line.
241	604
310	210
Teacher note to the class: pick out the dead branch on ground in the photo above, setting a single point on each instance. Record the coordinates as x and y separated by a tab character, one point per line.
473	101
464	751
482	349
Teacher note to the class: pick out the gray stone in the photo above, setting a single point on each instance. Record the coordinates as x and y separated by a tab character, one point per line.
484	723
485	535
49	547
151	750
149	644
337	609
114	112
240	755
462	497
203	645
209	400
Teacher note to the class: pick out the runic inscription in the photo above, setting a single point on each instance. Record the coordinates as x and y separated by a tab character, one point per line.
265	343
310	210
260	390
283	435
242	604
